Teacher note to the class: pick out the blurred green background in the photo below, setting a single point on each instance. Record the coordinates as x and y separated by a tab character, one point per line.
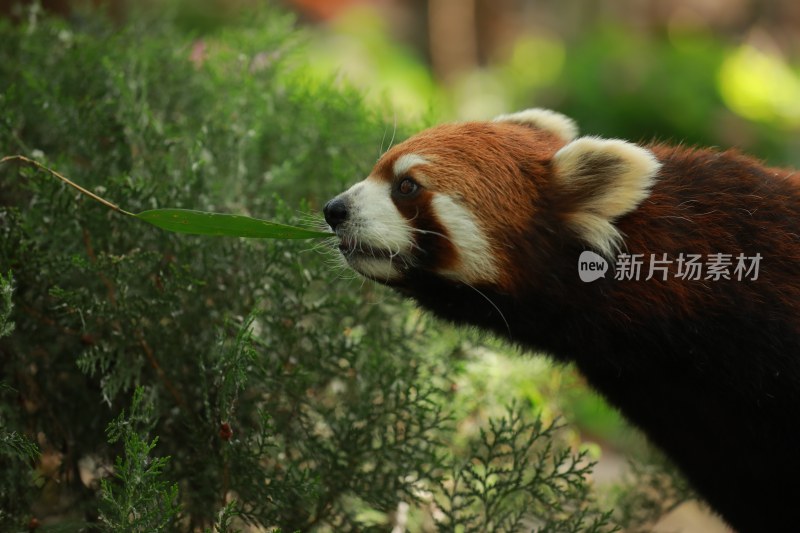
710	72
720	73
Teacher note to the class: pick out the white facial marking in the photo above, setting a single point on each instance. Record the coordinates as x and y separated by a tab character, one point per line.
476	261
406	162
381	236
378	220
378	269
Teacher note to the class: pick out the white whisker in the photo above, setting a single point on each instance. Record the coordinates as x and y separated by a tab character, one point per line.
394	132
428	232
380	150
508	327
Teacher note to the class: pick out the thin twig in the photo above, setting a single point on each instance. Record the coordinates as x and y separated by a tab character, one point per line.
69	182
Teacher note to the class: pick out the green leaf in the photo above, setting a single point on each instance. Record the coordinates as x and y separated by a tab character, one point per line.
205	223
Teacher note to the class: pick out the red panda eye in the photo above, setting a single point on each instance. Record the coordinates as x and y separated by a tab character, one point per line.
407	187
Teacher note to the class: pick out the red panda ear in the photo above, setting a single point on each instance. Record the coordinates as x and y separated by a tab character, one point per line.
599	180
543	119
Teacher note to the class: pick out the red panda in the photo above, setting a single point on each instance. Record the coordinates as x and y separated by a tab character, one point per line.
485	224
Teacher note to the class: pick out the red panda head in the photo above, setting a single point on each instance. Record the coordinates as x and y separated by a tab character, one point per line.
462	202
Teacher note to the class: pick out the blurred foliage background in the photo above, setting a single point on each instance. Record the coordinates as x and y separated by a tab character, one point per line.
237	105
710	72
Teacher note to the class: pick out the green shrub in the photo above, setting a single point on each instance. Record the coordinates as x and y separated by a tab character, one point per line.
515	480
141	500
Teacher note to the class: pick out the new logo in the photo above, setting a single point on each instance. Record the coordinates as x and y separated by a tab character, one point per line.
591	266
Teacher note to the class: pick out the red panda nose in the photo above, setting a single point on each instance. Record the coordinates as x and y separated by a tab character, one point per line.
335	212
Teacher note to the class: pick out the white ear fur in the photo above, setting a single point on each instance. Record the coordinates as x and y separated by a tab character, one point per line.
603	179
543	119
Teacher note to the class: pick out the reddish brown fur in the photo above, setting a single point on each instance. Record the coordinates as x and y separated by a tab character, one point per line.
744	208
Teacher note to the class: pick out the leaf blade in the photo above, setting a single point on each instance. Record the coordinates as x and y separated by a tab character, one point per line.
222	224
